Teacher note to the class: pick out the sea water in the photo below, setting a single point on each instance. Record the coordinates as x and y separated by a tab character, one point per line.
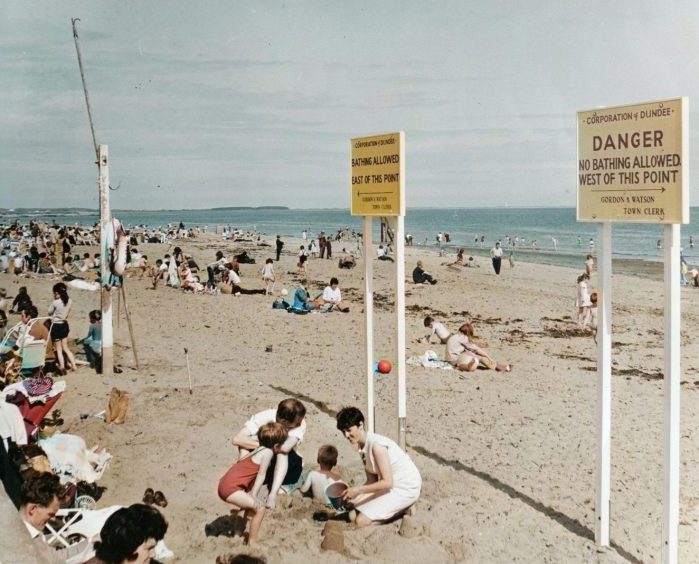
560	239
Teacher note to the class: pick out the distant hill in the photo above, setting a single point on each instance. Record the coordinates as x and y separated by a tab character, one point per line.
252	208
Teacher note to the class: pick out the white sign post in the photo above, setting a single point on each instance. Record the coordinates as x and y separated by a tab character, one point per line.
633	168
378	189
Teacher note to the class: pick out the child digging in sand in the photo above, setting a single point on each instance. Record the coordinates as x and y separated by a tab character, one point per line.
318	480
241	484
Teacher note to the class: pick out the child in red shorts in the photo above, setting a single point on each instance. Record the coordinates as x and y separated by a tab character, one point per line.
241	484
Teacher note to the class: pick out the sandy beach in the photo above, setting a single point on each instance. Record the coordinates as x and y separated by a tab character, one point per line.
508	459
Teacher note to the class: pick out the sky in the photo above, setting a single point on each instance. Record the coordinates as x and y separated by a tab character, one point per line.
232	103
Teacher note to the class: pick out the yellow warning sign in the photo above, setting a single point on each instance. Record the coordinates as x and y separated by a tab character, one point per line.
633	163
378	175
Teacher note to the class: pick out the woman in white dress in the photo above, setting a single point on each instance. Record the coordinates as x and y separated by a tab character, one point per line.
393	481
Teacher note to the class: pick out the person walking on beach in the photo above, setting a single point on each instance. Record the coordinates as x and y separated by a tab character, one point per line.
280	246
584	303
589	265
268	276
303	257
496	257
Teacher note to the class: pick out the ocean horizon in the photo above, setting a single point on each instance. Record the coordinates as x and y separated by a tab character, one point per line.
549	235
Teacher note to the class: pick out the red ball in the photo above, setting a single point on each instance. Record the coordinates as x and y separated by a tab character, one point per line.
384	366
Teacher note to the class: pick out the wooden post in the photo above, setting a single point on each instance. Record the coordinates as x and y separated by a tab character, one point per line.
106	238
128	321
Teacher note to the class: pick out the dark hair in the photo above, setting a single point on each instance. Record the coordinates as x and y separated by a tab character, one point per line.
428	320
62	290
219	255
152	521
271	434
241	558
120	537
349	417
41	489
95	316
334	280
31	311
269	261
327	456
290	412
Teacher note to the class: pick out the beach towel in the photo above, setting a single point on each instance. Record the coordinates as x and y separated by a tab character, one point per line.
429	360
71	460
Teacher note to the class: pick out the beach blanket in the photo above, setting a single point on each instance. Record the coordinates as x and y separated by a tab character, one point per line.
429	360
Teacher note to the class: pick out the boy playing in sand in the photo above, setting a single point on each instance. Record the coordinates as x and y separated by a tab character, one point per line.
287	465
436	328
318	480
241	484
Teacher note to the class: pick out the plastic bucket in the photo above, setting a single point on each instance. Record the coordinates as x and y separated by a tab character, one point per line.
334	493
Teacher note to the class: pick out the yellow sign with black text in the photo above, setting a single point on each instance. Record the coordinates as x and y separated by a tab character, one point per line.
378	175
633	163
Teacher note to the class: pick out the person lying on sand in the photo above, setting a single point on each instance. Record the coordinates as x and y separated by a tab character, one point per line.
464	354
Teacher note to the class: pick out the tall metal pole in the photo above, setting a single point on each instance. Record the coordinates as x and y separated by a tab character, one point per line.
369	319
106	236
671	384
399	238
604	373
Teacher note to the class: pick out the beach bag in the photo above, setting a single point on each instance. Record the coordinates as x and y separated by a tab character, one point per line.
117	407
280	304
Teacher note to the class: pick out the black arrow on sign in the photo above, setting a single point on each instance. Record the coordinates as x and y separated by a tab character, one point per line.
661	189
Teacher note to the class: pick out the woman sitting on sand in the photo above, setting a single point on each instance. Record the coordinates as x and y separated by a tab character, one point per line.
393	481
464	354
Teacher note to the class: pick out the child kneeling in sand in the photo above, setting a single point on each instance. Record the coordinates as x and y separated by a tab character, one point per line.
318	480
241	484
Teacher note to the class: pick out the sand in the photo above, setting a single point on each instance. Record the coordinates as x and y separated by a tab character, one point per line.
508	460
